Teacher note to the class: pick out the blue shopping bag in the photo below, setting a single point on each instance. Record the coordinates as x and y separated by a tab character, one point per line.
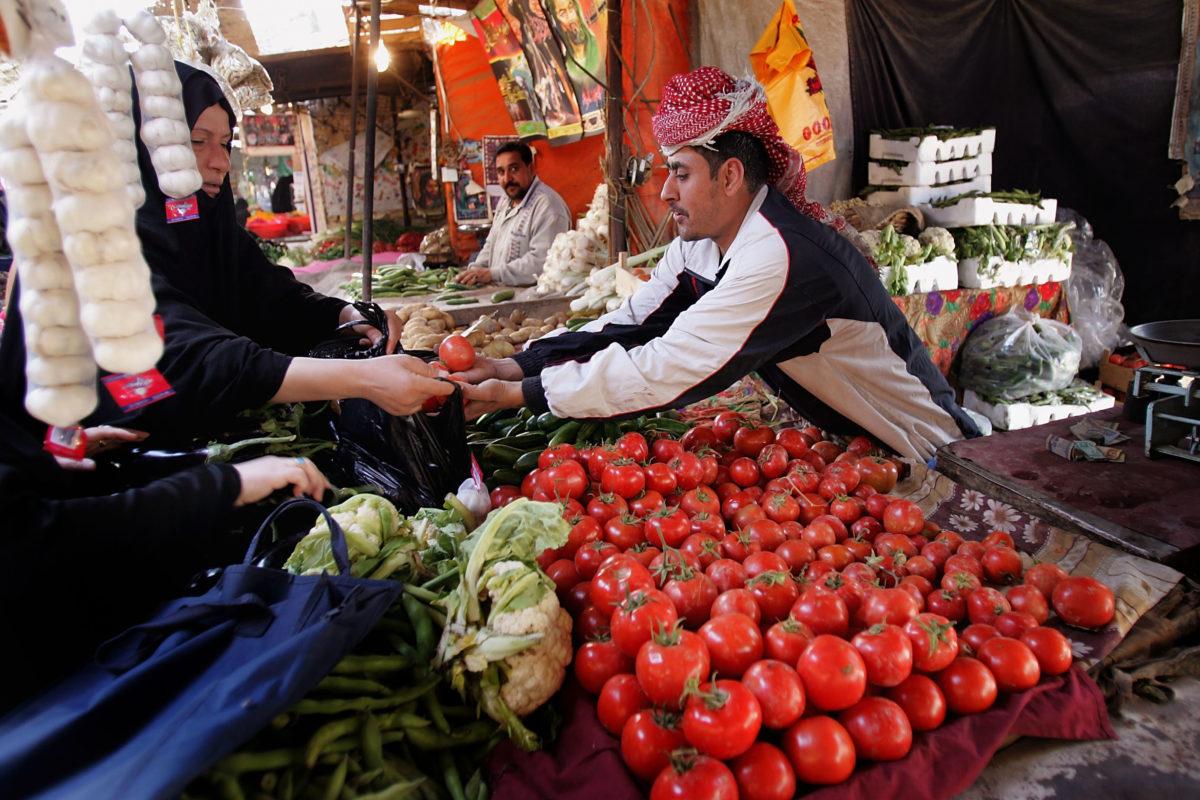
163	701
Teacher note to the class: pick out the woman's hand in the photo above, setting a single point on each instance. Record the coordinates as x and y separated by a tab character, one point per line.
400	385
369	333
100	439
262	476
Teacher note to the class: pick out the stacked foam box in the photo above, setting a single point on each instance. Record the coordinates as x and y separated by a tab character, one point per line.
1017	414
919	170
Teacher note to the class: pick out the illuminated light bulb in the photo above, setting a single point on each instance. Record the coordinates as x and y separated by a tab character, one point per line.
383	58
266	108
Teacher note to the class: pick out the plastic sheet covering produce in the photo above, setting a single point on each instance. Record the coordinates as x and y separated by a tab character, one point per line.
1018	354
1094	292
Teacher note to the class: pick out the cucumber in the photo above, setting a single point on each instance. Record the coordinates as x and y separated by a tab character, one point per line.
586	431
502	454
565	434
506	477
461	301
502	295
548	422
526	440
528	462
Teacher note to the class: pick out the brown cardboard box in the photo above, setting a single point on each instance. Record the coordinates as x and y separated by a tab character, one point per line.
1115	376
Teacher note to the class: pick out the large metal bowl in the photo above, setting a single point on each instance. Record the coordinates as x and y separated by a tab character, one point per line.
1172	341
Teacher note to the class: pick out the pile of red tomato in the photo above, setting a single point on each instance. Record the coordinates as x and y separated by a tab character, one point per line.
754	611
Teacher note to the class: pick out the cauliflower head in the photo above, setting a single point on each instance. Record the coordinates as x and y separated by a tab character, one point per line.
940	239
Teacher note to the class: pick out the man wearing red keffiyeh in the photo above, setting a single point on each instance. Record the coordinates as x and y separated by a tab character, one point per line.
757	280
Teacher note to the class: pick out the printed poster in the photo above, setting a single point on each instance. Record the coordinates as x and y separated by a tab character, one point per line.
582	29
551	84
510	68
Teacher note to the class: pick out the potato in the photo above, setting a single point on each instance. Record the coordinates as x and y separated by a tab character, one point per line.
499	348
477	338
430	313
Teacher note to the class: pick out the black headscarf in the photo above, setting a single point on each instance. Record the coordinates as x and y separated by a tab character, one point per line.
197	257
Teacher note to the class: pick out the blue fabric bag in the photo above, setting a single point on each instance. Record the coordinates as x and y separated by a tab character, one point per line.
163	701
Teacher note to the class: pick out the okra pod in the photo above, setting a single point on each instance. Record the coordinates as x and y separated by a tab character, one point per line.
372	742
475	733
434	707
450	776
339	706
264	761
418	615
338	684
326	735
337	780
353	664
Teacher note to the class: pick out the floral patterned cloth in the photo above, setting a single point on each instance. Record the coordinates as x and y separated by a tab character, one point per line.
944	319
1137	583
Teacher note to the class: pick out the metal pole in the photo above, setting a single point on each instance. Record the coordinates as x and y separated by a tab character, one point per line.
353	127
614	152
368	236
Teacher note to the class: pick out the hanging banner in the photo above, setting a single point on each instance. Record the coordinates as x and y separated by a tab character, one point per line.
551	84
581	28
783	62
510	68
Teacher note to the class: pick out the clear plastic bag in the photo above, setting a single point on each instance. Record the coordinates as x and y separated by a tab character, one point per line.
1094	292
1018	354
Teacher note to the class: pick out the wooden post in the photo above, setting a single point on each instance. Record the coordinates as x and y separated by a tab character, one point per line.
353	128
368	235
615	150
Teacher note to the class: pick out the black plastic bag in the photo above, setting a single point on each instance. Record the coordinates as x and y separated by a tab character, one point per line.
349	346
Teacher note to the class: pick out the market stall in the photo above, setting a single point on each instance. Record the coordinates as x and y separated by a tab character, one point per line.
708	598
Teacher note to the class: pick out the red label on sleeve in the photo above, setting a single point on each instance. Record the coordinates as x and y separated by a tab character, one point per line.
160	326
66	442
138	391
182	209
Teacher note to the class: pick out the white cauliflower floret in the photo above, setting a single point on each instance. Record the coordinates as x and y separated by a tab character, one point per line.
940	239
534	675
911	246
870	239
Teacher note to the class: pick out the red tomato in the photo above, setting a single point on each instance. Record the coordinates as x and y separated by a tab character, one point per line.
765	533
802	477
792	441
727	574
965	583
646	503
625	531
1083	602
999	539
638	617
699	437
879	473
795	554
845	472
1012	663
787	640
934	642
1029	600
968	686
633	446
666	449
820	749
705	548
584	530
556	455
736	601
648	739
937	553
837	556
668	528
830	488
711	469
750	440
1001	564
887	653
566	479
623	477
903	516
890	606
564	574
503	495
819	534
659	478
708	524
1044	577
947	603
620	698
599	459
693	594
617	577
764	773
973	550
1014	623
667	662
847	588
722	719
973	636
744	472
845	508
695	778
772	461
779	690
879	729
687	469
859	572
725	425
781	507
604	507
775	593
922	701
758	563
834	674
589	558
986	604
812	507
597	661
456	353
888	544
670	564
591	624
700	500
826	450
737	546
734	643
950	539
1051	649
644	553
822	611
579	597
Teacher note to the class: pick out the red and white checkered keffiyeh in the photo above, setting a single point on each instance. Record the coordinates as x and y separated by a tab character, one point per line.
700	105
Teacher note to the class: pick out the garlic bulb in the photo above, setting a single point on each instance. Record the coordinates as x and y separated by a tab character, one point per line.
106	64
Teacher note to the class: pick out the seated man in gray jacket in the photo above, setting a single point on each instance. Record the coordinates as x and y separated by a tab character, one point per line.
516	247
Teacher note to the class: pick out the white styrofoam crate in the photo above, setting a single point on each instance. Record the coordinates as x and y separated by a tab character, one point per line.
924	195
986	211
1018	415
931	148
938	275
1012	273
929	173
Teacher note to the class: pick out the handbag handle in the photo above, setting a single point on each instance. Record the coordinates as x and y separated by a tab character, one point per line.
337	538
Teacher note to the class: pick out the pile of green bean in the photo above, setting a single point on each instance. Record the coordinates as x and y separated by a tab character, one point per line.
391	280
382	726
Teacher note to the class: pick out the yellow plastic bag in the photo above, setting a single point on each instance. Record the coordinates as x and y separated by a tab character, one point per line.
783	63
